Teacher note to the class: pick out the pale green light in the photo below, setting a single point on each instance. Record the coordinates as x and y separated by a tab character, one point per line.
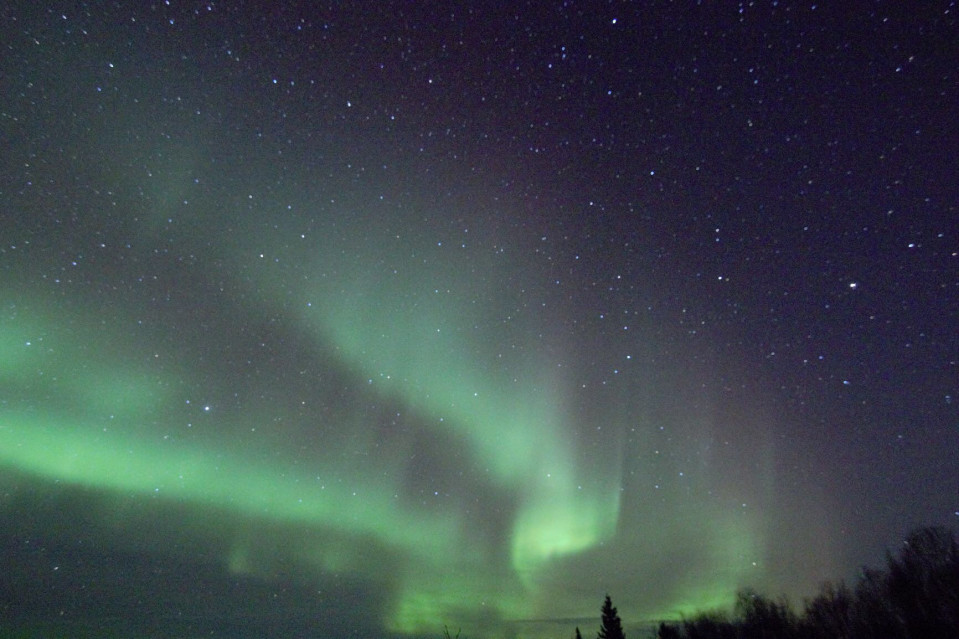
732	543
560	522
54	364
81	453
474	601
26	342
112	393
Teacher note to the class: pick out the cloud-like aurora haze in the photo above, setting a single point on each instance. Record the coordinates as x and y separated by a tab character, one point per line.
365	387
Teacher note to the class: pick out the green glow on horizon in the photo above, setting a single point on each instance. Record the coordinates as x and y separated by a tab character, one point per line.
732	542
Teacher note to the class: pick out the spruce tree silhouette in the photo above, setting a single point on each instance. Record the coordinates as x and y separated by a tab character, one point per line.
667	631
611	627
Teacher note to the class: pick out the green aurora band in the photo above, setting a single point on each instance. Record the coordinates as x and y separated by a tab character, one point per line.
463	456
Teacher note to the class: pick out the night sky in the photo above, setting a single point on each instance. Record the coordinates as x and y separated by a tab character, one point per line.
320	320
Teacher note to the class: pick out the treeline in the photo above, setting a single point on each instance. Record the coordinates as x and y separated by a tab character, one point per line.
915	597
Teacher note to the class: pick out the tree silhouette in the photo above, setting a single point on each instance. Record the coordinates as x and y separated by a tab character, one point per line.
923	584
668	631
916	597
611	627
829	614
710	625
762	618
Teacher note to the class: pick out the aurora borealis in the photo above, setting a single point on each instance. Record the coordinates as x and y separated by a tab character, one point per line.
370	319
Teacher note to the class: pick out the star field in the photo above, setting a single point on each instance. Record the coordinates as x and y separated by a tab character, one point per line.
385	317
